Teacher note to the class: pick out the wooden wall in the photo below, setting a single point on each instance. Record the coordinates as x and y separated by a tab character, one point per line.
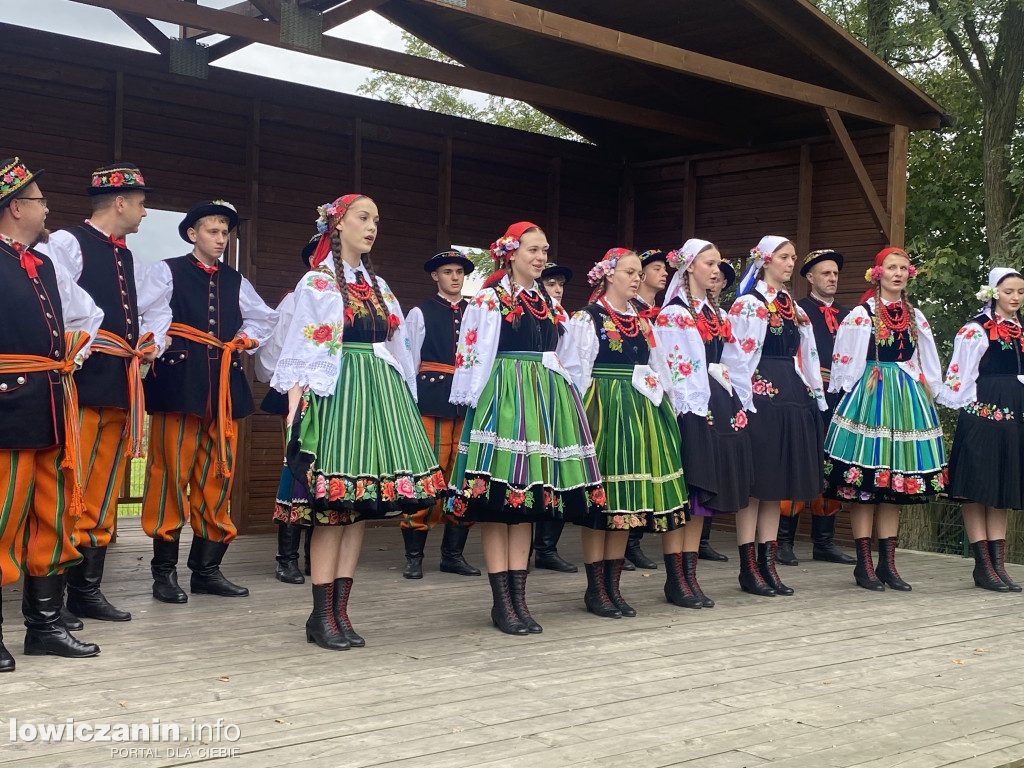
278	150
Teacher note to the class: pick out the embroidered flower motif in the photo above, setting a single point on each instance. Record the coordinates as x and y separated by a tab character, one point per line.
325	335
739	421
913	485
618	522
387	490
762	386
990	411
479	488
882	478
847	492
651	381
597	497
898	483
827	468
853	476
748	346
515	497
404	486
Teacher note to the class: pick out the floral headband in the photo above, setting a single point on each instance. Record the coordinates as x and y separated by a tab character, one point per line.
334	210
874	274
502	247
996	276
760	255
606	266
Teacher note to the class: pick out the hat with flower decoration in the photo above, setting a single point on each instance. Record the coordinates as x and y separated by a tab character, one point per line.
814	257
554	270
117	179
204	209
651	256
14	177
439	260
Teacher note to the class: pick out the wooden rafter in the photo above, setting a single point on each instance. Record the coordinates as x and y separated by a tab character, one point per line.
269	33
617	43
867	188
148	31
350	10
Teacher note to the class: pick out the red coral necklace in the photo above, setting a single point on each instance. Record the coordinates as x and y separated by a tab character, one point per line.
628	326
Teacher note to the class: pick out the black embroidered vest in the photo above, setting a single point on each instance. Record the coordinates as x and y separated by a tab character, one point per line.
441	324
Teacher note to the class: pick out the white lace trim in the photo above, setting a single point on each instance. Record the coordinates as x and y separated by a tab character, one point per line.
319	375
532	447
903	436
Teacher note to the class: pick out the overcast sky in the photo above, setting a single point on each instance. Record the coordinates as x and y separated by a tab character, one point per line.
158	238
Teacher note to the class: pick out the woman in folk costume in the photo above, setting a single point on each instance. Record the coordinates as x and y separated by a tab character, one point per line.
692	333
774	368
985	380
635	433
526	452
884	445
357	438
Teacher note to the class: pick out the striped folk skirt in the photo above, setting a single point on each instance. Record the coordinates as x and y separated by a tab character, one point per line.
362	452
884	445
638	455
526	452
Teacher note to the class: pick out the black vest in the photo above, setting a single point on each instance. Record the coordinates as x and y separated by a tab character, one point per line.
108	275
441	326
31	323
185	379
824	339
633	350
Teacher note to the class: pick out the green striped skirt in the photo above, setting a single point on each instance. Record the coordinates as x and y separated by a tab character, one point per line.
884	444
526	452
638	455
362	451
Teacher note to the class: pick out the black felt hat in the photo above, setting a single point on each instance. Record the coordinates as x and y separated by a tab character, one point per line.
814	257
310	248
116	179
651	256
14	177
728	273
204	209
554	270
439	260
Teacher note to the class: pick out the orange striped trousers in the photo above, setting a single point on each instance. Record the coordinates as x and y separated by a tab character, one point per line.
103	445
36	526
181	479
443	436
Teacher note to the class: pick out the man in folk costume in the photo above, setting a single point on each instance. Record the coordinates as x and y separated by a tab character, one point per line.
136	315
196	393
433	329
46	323
821	268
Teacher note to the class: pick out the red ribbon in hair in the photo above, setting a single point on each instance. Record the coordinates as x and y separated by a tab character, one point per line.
879	258
323	246
515	231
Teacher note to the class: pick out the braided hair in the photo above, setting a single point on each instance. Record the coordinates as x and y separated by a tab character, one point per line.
339	275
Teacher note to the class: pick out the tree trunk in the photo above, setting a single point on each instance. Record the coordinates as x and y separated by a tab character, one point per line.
878	29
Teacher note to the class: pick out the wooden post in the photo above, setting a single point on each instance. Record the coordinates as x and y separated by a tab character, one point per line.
899	138
803	218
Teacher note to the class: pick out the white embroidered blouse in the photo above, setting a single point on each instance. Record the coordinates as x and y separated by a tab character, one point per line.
970	345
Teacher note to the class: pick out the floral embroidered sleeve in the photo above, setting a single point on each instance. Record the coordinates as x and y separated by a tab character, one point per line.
749	318
311	342
567	349
850	352
928	353
584	337
960	386
477	349
679	359
808	366
399	345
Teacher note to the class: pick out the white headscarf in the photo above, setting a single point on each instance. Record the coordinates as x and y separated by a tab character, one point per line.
988	291
681	259
760	255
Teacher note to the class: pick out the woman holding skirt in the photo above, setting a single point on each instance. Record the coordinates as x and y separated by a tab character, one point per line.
526	453
985	380
358	444
774	367
884	445
691	334
634	429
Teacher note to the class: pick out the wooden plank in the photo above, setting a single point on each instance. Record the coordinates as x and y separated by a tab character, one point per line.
689	203
348	11
897	187
147	30
357	154
842	138
635	48
554	204
803	218
118	115
444	196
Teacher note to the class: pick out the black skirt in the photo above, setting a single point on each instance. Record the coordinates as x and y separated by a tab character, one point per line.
717	460
986	464
786	434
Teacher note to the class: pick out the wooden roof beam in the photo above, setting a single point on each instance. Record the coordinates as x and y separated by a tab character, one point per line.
350	10
148	31
867	189
617	43
269	33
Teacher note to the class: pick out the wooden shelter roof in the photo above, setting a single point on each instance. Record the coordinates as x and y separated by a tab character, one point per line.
647	79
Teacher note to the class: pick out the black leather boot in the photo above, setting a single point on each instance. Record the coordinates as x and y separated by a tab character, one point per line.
321	626
864	571
342	589
84	597
305	548
71	622
165	575
204	560
44	632
690	574
453	542
787	535
706	552
677	588
997	551
414	542
886	569
517	591
545	547
985	575
503	613
823	532
6	660
612	574
634	554
596	597
288	537
751	580
766	563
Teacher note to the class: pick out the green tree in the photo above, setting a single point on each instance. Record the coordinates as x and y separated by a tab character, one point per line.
449	100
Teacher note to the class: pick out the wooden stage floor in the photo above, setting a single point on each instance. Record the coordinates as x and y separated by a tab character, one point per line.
834	676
